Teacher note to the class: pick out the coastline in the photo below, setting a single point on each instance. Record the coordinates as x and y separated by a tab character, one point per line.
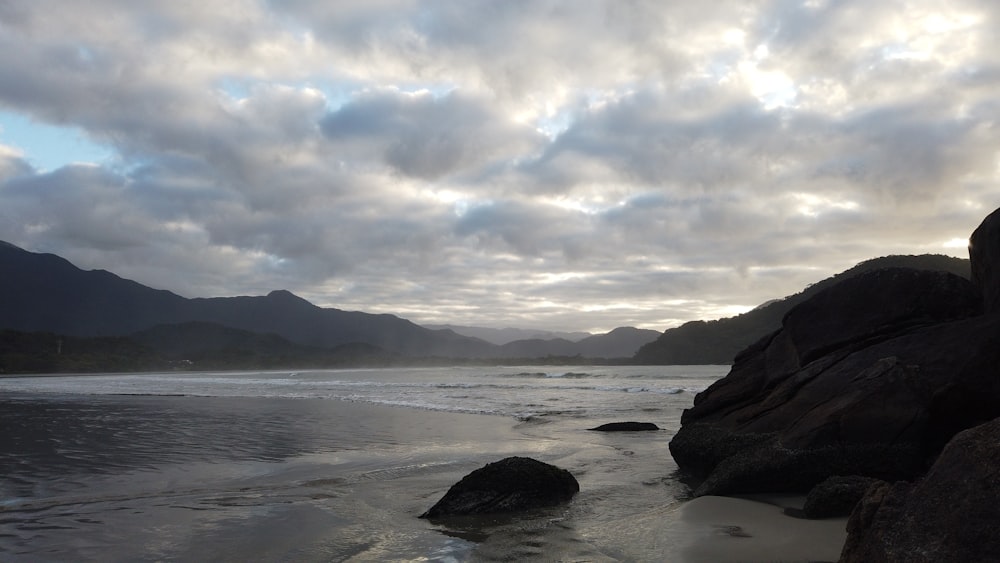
310	478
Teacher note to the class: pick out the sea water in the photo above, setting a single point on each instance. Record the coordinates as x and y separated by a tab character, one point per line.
335	465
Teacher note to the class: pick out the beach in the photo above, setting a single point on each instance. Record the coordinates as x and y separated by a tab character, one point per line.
333	466
724	529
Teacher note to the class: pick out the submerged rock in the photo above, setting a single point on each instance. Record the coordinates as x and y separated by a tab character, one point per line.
949	515
626	427
509	485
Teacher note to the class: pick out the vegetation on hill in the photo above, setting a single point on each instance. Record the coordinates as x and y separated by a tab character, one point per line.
201	346
211	347
46	352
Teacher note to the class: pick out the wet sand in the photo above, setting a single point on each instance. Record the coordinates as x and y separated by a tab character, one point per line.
155	477
723	529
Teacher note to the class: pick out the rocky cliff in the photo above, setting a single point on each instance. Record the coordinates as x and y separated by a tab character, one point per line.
871	377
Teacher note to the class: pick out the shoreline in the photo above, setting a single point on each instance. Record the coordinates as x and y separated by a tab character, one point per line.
350	461
741	529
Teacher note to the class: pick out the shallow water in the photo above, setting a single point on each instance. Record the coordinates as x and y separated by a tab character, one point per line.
333	465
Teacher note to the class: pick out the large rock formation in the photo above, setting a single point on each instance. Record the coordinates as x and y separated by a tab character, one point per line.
870	377
837	496
509	485
984	251
719	341
949	516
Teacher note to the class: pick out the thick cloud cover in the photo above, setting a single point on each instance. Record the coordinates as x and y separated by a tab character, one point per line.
550	164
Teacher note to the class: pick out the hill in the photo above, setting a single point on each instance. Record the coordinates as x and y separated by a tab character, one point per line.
46	352
718	341
501	336
213	346
622	342
203	346
46	293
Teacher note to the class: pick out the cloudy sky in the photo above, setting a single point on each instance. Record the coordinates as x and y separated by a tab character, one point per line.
575	164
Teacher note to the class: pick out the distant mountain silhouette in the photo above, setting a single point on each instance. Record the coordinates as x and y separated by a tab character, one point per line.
46	293
538	348
501	336
718	342
622	342
192	339
43	292
213	346
176	347
45	352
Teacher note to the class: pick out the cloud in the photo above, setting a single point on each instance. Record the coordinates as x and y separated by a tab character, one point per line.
12	163
553	164
427	136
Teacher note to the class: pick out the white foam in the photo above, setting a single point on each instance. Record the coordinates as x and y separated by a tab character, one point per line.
599	392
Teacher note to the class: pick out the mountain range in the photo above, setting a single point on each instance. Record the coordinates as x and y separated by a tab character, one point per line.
140	326
46	293
501	336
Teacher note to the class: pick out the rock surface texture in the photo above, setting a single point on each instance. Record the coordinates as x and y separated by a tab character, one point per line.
949	516
509	485
984	254
870	377
837	496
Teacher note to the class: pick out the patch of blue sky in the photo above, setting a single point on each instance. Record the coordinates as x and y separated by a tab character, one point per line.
336	94
557	123
435	89
234	88
49	147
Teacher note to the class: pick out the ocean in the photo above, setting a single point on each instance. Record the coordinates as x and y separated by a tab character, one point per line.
336	465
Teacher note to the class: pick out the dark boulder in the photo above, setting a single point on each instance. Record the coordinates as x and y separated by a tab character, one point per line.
837	496
509	485
869	377
626	427
948	516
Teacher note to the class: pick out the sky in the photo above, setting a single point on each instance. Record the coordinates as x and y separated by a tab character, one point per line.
561	165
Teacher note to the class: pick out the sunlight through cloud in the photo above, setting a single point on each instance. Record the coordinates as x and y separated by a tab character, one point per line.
532	160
